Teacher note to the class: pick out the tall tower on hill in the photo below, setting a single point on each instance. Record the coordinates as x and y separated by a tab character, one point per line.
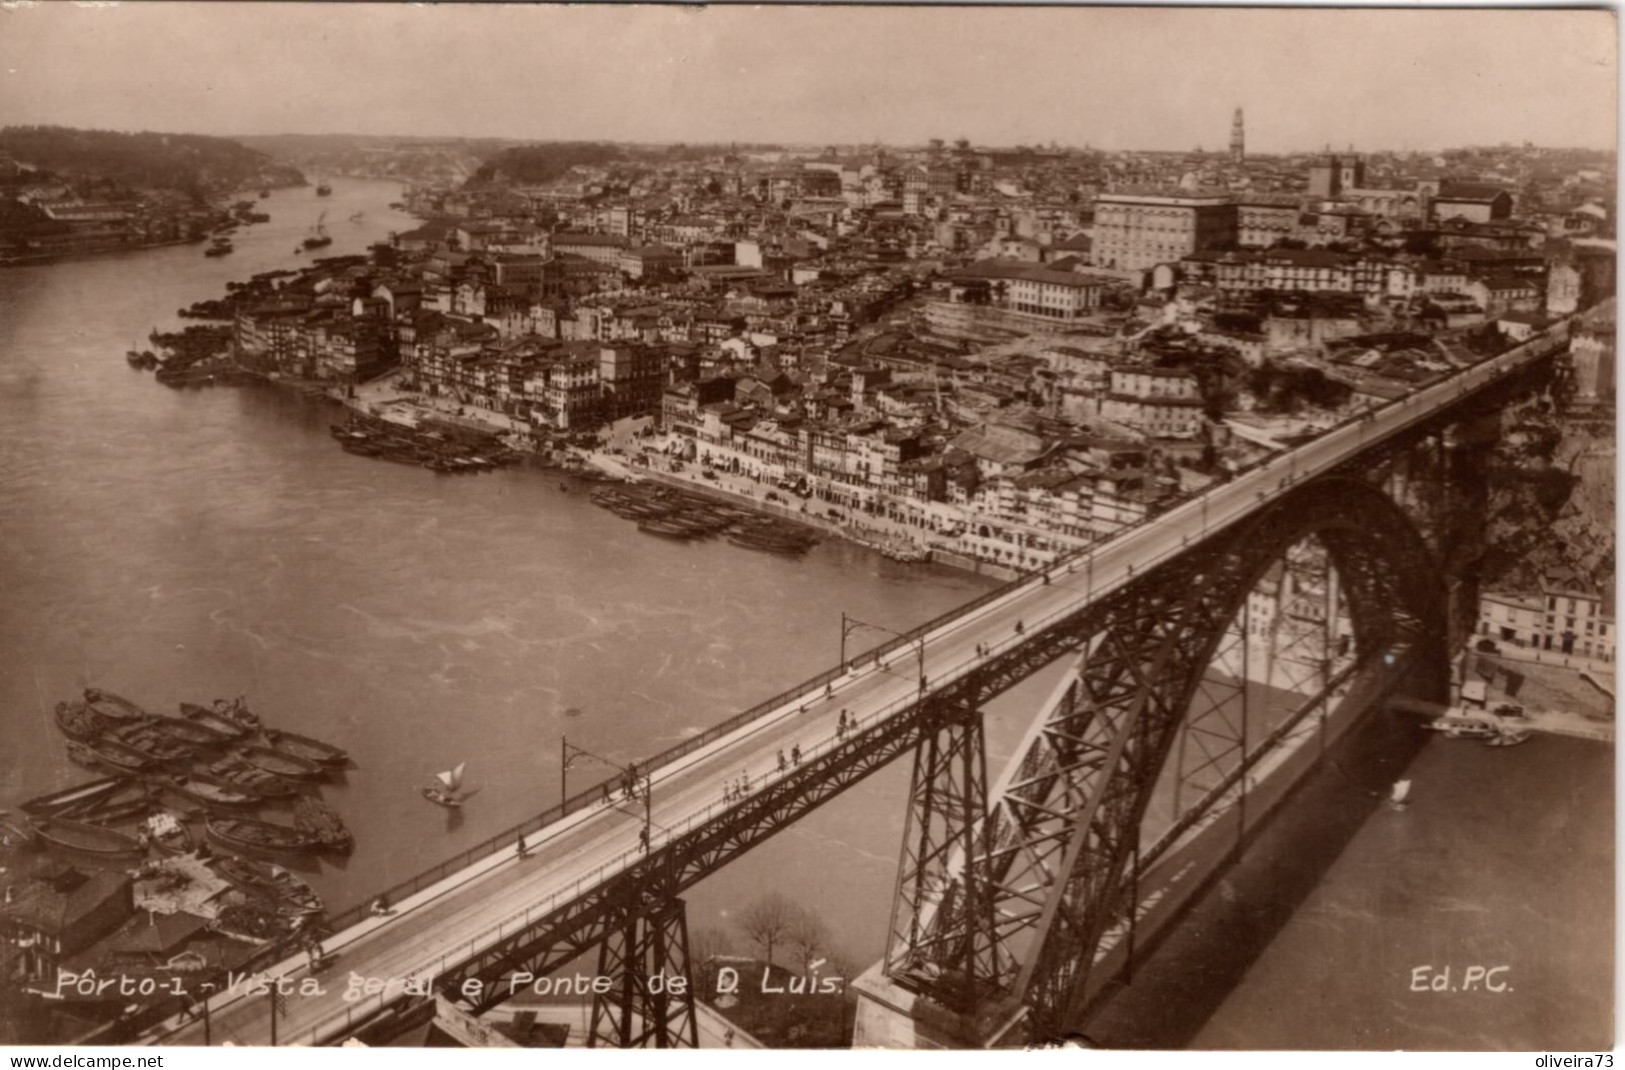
1238	138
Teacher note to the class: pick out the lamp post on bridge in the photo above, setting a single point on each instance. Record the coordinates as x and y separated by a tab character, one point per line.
569	752
850	624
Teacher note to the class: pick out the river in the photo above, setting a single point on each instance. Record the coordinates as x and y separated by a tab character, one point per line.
182	545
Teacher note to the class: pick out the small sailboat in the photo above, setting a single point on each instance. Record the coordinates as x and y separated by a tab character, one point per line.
1401	792
448	791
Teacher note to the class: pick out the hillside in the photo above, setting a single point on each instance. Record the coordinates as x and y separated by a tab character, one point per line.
527	165
1552	499
418	160
189	163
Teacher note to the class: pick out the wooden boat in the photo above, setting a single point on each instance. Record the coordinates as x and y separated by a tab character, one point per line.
666	528
57	801
280	762
190	733
304	747
132	799
109	754
293	896
240	775
113	706
314	816
86	838
166	832
211	719
78	721
147	739
211	791
259	835
237	712
448	791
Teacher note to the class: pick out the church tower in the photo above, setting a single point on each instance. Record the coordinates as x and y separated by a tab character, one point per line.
1238	139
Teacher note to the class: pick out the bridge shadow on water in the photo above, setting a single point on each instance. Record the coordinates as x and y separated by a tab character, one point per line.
1181	981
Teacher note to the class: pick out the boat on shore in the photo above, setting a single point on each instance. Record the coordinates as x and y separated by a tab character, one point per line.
292	894
79	794
133	799
113	706
151	741
667	529
79	721
191	733
85	838
247	833
316	817
109	754
313	750
280	763
166	832
211	791
213	720
238	774
237	712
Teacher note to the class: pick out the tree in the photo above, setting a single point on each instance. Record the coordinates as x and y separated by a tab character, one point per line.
766	922
807	936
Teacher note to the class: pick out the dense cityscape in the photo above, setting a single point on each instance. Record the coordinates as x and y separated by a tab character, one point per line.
951	381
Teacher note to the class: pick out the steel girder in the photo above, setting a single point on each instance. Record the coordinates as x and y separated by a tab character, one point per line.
1138	639
553	940
645	955
1067	824
947	807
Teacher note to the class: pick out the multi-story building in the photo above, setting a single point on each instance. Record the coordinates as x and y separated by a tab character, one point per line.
601	248
1559	619
1160	402
1262	219
1476	202
631	378
1137	231
1329	176
569	392
1030	290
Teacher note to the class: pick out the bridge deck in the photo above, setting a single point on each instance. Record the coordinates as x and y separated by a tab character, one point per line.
435	929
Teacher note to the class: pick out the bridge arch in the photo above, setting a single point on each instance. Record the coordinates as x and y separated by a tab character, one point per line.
1020	926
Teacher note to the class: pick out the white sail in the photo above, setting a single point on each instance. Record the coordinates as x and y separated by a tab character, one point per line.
1402	791
452	778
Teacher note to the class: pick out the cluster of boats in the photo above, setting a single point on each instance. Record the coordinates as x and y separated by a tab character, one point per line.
368	437
223	759
674	514
221	246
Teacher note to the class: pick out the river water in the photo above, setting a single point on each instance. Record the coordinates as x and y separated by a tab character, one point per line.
183	545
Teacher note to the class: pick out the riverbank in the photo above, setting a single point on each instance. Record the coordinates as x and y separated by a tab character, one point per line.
380	399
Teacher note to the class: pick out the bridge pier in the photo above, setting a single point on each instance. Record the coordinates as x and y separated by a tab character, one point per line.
651	997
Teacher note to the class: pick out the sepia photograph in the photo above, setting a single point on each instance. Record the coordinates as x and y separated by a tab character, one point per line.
932	527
